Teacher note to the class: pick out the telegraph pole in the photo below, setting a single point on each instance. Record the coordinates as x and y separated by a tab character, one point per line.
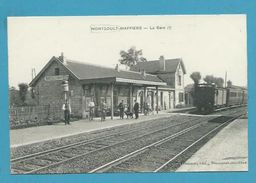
225	79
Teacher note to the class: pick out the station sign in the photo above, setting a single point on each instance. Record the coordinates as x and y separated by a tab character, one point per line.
56	78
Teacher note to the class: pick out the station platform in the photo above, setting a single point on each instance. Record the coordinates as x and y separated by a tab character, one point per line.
19	137
227	151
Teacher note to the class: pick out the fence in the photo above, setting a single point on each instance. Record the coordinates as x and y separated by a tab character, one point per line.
26	116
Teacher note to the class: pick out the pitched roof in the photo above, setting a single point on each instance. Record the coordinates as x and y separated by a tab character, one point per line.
155	66
89	71
85	71
238	87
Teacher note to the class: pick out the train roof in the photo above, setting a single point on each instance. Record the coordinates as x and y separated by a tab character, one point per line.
237	87
201	85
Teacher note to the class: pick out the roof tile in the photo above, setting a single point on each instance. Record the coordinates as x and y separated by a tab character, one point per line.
89	71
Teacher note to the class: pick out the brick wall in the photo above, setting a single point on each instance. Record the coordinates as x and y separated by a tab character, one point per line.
27	116
51	92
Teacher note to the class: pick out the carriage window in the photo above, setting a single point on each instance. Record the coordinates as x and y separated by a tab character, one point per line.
232	94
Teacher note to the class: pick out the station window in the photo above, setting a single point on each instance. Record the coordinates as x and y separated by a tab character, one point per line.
161	98
181	97
179	80
57	71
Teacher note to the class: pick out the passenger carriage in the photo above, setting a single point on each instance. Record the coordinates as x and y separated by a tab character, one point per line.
209	97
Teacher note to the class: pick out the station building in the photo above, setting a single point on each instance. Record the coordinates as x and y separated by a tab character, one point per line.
159	84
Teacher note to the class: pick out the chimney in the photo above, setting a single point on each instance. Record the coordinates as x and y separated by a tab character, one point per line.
229	84
117	68
61	57
162	62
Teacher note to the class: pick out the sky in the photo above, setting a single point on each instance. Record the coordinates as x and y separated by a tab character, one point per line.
210	44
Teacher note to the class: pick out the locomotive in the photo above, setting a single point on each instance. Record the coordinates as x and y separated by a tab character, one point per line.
208	97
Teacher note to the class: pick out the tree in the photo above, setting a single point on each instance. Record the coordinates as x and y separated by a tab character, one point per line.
23	89
219	81
196	77
14	99
32	93
131	57
210	79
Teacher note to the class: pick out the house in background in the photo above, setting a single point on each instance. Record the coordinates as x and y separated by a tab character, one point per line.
170	71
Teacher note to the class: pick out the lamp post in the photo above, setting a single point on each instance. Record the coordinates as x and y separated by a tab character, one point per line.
65	89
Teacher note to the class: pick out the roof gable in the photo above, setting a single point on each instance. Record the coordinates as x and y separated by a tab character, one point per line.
49	63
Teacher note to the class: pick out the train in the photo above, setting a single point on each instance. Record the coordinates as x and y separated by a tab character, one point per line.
209	97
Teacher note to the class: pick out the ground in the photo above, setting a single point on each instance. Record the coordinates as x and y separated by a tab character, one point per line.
227	151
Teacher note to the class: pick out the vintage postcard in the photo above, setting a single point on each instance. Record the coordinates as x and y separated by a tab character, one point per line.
124	94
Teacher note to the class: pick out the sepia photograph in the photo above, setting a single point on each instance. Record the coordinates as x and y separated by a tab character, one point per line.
126	94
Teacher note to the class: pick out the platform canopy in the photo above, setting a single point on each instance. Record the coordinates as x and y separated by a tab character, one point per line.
88	73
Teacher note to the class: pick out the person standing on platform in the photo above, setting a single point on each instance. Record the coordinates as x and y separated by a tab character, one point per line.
67	111
103	110
121	109
91	109
136	109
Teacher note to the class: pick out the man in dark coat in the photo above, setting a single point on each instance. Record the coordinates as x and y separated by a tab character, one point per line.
136	109
103	110
67	110
121	109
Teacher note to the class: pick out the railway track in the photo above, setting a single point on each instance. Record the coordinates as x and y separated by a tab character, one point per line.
229	110
229	107
81	138
161	155
82	141
39	161
48	161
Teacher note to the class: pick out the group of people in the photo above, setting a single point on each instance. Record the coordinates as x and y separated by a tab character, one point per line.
103	110
123	110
